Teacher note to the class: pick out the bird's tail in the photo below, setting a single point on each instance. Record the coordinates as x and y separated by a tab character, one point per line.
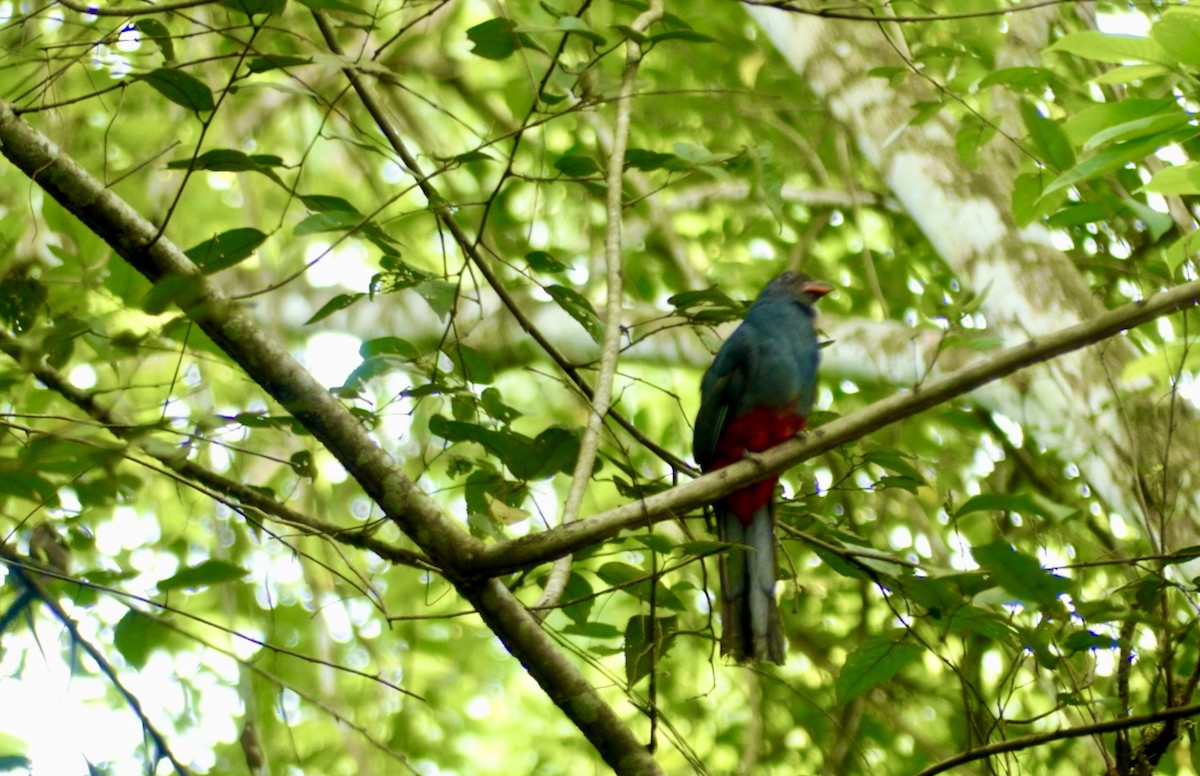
751	627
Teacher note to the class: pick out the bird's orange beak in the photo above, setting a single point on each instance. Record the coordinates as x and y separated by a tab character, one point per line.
816	288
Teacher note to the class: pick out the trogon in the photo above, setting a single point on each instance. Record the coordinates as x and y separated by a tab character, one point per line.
757	393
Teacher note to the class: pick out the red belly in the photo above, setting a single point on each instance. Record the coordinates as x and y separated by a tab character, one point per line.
757	430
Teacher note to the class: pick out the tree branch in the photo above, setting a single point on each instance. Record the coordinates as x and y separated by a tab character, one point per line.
274	369
532	550
1029	742
611	348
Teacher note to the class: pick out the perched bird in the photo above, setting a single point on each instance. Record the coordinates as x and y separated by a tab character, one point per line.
757	393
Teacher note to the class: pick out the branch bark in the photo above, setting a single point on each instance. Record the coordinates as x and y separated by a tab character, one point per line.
540	548
272	367
1032	286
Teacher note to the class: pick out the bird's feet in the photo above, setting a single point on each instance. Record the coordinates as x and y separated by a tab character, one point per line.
758	459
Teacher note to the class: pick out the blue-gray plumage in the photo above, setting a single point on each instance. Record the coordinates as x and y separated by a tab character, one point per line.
757	394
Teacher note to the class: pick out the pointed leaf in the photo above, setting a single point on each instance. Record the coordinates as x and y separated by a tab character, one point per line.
210	572
226	249
873	663
1104	47
1021	575
578	308
180	88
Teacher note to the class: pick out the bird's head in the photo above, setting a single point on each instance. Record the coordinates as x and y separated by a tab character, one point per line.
796	286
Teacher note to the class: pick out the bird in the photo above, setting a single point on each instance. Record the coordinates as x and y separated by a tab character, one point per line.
757	393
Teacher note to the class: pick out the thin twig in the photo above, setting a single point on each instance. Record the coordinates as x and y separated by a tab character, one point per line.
614	211
16	566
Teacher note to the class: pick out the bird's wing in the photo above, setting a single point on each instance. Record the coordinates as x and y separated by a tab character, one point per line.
721	391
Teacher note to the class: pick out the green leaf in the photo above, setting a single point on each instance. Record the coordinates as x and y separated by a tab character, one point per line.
22	300
323	203
1129	73
206	574
647	640
554	450
578	308
1002	502
491	402
1048	138
228	160
26	485
709	305
255	7
688	35
1140	127
593	630
1089	121
1117	156
1178	32
470	364
281	422
618	574
1020	574
579	590
373	367
659	543
1026	191
269	62
1029	80
541	261
498	39
894	461
135	635
642	159
181	290
874	662
1180	251
1183	179
1082	640
226	249
970	138
576	165
576	26
337	304
1118	49
439	295
972	619
388	346
328	221
332	5
156	31
180	88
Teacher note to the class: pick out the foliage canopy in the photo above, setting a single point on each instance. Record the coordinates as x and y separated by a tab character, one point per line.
421	205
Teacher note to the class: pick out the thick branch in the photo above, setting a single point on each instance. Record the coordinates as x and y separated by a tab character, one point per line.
539	548
273	368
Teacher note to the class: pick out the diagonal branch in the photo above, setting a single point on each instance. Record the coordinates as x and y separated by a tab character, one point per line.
532	550
1038	739
273	368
